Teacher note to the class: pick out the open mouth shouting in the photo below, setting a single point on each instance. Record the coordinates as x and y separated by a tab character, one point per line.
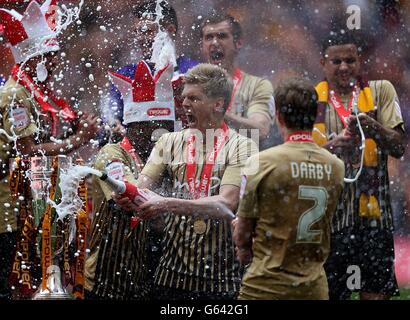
216	57
191	119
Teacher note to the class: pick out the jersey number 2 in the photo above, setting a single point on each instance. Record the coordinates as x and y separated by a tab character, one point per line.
314	214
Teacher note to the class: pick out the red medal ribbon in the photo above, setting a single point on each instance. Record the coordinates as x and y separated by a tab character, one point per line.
209	164
300	136
337	104
237	78
65	112
126	145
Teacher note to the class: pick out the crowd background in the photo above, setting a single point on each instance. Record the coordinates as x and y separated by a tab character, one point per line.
281	39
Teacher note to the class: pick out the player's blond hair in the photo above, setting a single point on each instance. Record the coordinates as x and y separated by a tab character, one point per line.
214	80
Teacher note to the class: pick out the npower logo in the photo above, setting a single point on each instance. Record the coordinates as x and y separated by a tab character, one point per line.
156	112
302	136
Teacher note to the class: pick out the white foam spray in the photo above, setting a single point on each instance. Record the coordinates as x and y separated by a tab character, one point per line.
70	180
163	49
65	16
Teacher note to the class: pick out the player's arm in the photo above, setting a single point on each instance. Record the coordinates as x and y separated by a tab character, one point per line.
342	145
88	130
387	131
248	212
390	140
243	237
259	111
218	206
255	121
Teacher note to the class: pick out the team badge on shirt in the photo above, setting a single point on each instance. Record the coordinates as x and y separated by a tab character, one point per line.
19	117
115	170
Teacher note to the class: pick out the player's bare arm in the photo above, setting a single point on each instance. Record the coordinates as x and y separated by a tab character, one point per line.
254	121
218	207
244	229
87	130
342	144
391	140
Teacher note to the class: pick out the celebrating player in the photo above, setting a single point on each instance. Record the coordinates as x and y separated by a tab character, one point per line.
283	227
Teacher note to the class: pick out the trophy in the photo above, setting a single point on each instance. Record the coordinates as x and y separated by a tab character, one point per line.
42	260
54	289
44	173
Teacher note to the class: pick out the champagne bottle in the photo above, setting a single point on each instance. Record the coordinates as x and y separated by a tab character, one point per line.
127	190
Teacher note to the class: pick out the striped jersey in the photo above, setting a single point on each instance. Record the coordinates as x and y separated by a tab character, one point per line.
116	267
198	253
388	113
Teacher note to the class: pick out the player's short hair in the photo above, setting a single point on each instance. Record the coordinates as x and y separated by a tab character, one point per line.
337	38
214	80
218	17
148	10
296	103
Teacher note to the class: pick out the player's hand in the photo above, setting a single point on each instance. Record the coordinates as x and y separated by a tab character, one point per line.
154	207
343	144
244	255
234	222
124	202
369	125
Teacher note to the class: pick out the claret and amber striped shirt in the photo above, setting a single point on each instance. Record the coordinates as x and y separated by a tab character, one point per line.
388	113
198	255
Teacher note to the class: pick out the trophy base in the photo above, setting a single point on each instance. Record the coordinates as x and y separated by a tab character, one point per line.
55	290
46	295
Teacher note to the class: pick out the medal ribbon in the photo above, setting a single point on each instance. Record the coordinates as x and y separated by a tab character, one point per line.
126	145
336	103
209	164
237	79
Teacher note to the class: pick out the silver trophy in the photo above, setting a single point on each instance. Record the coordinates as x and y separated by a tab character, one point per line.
55	290
41	169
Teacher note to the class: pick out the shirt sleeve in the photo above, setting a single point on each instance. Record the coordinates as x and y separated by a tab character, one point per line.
249	202
108	155
239	152
156	164
390	115
262	99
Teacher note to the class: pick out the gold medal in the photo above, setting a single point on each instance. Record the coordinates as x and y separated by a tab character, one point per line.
199	226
